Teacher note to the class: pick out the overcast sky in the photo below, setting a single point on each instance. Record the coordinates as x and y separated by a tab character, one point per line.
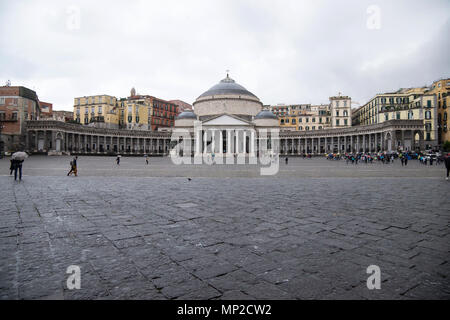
282	51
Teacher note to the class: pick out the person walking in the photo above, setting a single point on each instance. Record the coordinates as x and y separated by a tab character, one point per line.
146	158
402	159
118	160
17	160
406	161
73	167
287	160
447	164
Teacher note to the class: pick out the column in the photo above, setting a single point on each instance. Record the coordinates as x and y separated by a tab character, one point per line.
252	143
213	142
403	139
36	140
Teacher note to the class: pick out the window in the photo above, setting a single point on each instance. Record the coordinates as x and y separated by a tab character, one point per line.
2	115
337	103
337	122
287	120
300	128
14	116
428	115
345	121
313	119
410	115
345	103
2	101
398	115
345	113
307	128
100	110
337	113
445	116
428	103
293	121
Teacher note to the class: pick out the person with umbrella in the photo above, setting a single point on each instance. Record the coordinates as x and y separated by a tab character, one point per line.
17	160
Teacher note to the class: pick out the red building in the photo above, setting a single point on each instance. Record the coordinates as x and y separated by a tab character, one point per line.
163	113
17	105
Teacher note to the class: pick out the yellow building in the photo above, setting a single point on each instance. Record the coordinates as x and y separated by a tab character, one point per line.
302	117
404	104
441	89
306	117
91	109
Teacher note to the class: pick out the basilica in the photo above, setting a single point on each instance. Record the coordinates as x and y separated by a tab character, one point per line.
228	120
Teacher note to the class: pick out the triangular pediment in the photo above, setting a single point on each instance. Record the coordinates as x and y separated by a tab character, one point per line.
226	120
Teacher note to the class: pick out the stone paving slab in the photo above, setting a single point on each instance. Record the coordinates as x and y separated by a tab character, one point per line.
225	238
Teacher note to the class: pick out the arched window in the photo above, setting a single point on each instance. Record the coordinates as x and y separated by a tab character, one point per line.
345	113
427	114
410	115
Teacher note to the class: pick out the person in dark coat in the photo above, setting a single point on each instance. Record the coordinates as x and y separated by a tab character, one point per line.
447	164
17	167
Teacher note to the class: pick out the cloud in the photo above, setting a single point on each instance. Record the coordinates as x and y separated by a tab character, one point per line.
283	51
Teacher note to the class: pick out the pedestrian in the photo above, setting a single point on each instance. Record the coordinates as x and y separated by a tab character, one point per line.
287	160
146	158
402	159
406	161
73	167
447	164
17	164
431	161
213	155
118	160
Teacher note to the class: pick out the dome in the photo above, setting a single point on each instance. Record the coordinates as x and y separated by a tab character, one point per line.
227	86
187	114
265	114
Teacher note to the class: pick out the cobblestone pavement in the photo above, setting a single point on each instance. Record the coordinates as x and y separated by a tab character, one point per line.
289	237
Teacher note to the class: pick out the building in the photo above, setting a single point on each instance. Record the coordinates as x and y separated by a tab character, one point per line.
96	109
229	120
136	112
404	104
17	105
441	89
305	117
46	110
340	108
182	106
232	120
